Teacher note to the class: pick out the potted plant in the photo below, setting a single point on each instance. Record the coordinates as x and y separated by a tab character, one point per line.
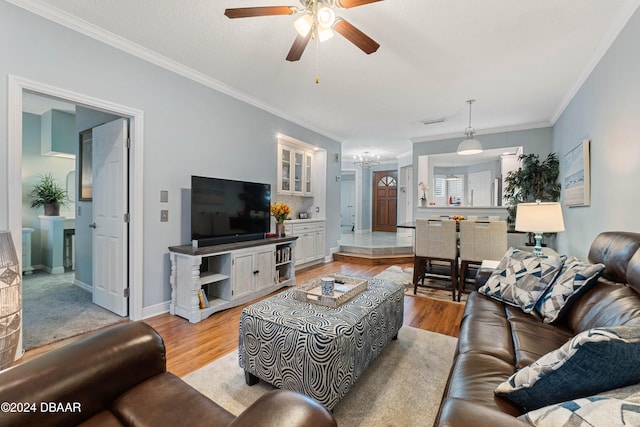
48	193
423	197
534	180
280	212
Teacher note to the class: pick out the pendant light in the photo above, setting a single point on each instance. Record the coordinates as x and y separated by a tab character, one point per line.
470	145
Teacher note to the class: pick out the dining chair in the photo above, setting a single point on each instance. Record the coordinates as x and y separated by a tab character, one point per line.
436	240
480	240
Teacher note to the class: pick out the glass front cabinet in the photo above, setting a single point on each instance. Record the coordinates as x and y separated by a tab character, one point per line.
284	169
295	170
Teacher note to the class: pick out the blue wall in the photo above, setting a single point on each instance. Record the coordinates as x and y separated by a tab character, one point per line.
606	110
190	129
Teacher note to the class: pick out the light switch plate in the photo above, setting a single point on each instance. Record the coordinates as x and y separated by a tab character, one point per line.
164	196
164	215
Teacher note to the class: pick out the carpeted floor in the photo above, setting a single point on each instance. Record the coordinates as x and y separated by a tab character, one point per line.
405	277
402	387
53	308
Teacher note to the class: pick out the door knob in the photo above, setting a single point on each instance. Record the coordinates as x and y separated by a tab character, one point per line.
93	225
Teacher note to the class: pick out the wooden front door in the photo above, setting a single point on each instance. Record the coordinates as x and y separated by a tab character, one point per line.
385	200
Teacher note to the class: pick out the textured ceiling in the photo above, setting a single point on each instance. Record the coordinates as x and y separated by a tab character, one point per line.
521	60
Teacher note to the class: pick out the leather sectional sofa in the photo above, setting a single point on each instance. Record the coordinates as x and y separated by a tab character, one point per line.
118	377
497	339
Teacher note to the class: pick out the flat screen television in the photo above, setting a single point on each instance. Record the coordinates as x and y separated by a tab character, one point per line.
225	211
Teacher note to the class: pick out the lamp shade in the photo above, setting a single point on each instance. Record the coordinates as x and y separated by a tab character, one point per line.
469	146
303	24
539	217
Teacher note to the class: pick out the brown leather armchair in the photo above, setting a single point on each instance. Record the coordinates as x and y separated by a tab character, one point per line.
118	377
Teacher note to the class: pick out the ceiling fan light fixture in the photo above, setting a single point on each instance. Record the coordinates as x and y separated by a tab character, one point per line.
470	145
304	24
325	34
326	17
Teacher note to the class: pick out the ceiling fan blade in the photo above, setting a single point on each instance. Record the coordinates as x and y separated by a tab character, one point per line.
299	44
249	12
355	36
347	4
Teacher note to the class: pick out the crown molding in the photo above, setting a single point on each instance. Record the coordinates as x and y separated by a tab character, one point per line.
83	27
489	131
626	12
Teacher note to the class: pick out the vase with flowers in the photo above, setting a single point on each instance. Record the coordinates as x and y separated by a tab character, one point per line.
423	198
280	212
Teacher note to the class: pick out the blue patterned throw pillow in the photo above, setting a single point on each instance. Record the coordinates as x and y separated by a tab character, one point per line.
575	278
619	407
521	278
593	361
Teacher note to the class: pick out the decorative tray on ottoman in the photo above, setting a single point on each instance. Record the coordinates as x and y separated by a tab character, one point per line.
343	292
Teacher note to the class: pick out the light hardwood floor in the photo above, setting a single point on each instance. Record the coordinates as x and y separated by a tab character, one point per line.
191	346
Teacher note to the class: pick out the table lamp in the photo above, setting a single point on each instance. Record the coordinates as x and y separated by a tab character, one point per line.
539	218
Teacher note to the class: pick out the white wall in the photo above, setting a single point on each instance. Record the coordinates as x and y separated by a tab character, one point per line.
606	110
189	130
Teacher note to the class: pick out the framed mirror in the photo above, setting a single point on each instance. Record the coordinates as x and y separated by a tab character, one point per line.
472	181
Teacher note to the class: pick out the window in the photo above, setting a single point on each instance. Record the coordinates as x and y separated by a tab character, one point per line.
387	181
444	189
455	191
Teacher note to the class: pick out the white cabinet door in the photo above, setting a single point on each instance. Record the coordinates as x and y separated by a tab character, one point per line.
320	244
242	274
298	172
285	159
309	246
264	268
299	250
308	164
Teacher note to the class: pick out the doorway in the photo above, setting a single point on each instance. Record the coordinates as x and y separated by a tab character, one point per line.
134	170
347	202
385	201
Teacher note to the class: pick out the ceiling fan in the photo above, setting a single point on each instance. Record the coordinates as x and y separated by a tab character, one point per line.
319	20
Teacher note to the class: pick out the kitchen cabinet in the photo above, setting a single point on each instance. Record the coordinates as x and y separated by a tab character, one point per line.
311	240
295	170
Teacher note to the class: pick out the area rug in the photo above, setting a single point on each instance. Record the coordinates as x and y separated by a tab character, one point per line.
402	387
404	276
53	308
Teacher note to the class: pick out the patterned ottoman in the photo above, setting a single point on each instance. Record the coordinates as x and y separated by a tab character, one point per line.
317	350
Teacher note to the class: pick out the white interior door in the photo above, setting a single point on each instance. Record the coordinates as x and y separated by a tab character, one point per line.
409	192
109	162
348	200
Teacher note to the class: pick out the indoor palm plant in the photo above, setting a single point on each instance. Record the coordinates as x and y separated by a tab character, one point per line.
48	193
533	180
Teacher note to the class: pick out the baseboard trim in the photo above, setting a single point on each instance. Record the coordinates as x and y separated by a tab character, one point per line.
156	309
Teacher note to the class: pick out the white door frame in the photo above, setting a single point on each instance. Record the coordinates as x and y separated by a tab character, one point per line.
16	86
